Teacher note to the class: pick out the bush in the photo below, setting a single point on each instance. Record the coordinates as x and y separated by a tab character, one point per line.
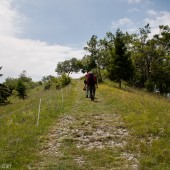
21	89
4	93
57	82
150	86
47	86
65	80
105	74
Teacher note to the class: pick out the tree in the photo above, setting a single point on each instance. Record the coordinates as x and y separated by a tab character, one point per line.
88	63
23	77
75	65
69	66
64	67
161	64
11	83
94	58
48	81
91	48
47	78
27	80
21	89
142	54
151	59
4	92
120	67
106	47
0	69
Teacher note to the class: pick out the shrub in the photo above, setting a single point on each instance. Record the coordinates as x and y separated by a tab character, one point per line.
4	93
65	80
47	86
21	89
149	85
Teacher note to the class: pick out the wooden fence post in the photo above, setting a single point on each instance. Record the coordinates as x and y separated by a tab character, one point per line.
39	108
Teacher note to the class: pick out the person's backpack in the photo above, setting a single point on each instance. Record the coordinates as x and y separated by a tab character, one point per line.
90	79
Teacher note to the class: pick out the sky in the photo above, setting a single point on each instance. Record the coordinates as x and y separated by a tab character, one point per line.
37	34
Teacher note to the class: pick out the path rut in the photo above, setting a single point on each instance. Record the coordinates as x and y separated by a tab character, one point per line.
88	128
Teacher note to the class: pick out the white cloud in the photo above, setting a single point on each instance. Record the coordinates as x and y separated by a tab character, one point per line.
138	1
134	1
36	57
151	13
156	18
10	19
122	22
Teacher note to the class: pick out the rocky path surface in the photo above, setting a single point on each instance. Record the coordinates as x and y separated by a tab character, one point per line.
91	136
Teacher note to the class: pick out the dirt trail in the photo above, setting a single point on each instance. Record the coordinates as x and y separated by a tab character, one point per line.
88	131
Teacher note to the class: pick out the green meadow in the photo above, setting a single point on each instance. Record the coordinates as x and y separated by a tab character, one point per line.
122	129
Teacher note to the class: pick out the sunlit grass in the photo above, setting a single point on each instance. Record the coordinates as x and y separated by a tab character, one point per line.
20	136
146	116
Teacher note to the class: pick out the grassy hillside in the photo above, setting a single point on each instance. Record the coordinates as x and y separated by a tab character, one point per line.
147	117
121	129
19	132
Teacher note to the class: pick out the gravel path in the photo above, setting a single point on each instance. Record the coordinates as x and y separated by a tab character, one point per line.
89	131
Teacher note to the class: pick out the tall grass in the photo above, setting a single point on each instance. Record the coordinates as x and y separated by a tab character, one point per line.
145	115
20	136
148	118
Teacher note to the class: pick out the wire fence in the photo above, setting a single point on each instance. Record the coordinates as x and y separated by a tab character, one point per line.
53	101
21	129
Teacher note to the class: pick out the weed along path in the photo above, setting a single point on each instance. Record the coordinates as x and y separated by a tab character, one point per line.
91	135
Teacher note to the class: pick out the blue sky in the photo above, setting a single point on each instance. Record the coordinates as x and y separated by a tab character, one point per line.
37	34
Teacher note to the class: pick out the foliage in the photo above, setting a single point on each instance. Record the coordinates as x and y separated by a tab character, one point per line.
27	80
150	86
151	58
146	58
21	85
11	83
94	60
65	80
21	89
4	92
47	86
68	66
120	68
0	69
138	59
57	82
47	78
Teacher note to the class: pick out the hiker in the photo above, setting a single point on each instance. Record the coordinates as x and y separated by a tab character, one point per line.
92	84
86	86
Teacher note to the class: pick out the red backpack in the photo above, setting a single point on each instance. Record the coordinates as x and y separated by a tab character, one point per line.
91	79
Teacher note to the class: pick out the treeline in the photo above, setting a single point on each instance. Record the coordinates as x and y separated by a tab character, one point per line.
139	59
20	86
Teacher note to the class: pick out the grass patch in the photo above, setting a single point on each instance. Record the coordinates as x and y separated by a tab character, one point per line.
20	136
147	116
